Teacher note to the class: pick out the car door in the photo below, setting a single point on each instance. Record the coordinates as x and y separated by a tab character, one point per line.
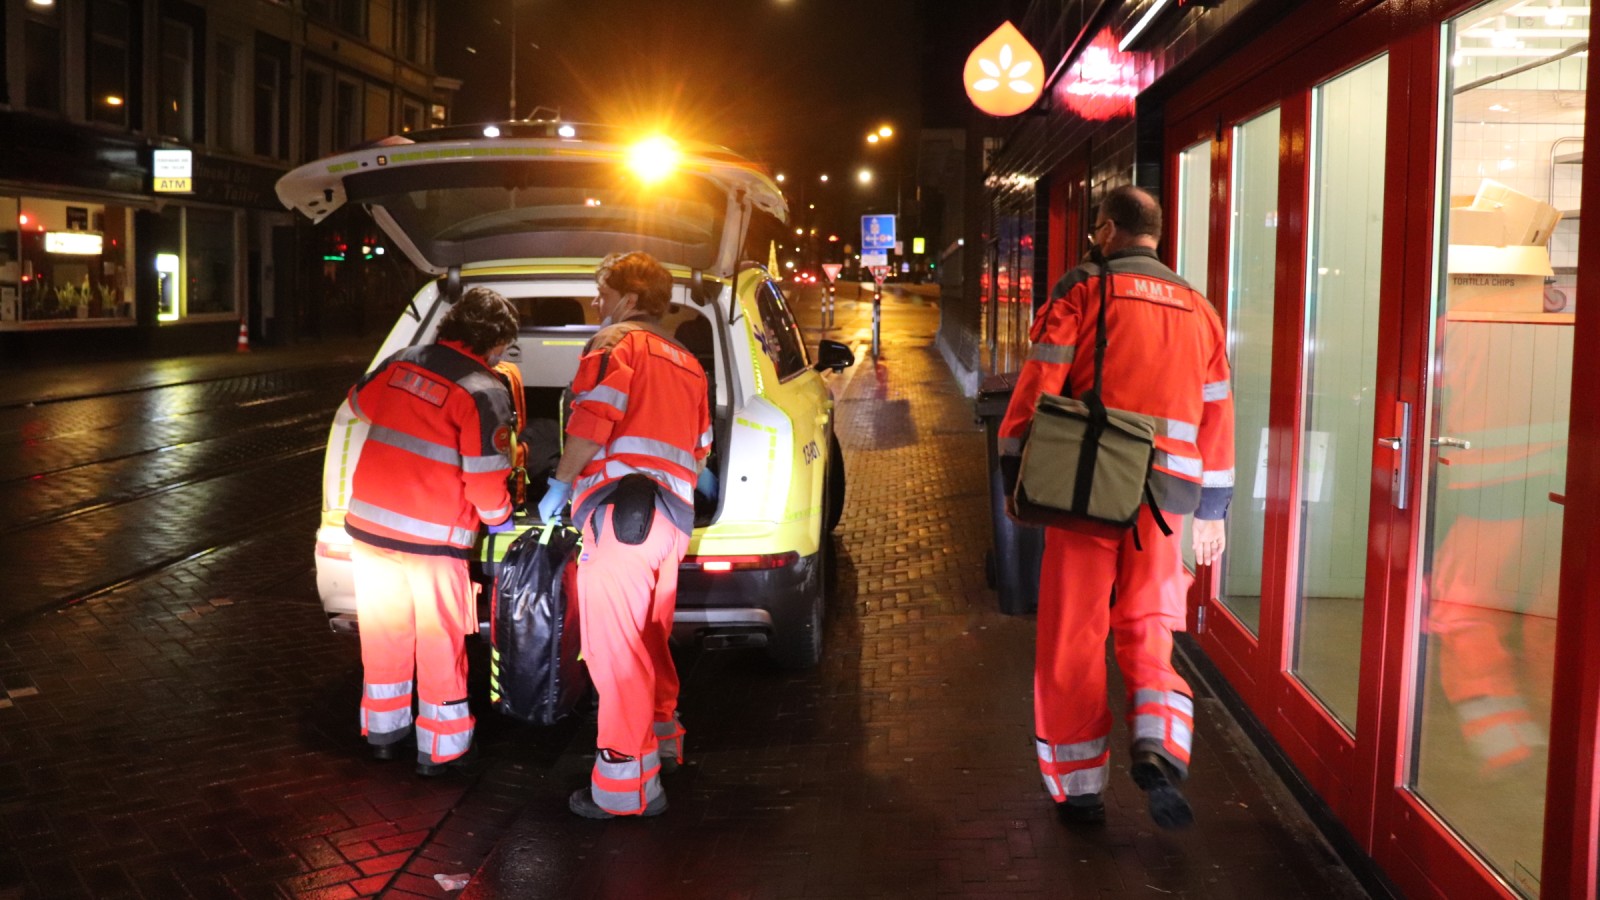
802	396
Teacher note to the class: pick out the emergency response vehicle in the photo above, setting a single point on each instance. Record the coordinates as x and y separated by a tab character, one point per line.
530	209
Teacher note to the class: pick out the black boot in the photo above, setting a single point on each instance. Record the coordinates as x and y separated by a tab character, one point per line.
1086	809
1159	781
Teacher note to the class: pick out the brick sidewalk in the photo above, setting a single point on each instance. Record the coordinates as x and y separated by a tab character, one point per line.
903	766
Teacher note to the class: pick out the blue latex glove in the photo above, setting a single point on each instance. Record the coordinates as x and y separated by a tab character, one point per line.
502	527
707	482
555	497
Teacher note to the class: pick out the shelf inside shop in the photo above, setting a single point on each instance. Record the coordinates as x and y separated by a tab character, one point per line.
1512	318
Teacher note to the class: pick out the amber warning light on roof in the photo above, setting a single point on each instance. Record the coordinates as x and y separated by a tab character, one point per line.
1004	75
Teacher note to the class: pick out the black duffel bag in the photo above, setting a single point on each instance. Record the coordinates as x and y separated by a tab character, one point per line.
535	673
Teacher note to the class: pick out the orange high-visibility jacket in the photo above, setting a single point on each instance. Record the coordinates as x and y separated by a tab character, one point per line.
642	397
1166	357
434	464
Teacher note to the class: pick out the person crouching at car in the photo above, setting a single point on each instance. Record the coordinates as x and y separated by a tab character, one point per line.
432	470
637	441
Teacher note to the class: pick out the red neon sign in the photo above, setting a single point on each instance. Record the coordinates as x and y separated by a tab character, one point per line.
1103	82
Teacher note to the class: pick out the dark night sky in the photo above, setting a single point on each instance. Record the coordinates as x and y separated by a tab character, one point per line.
794	84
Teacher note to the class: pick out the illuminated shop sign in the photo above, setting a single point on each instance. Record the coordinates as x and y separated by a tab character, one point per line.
172	171
1004	75
73	243
1103	82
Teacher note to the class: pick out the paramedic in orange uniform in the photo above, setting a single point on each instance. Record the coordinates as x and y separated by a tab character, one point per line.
1166	358
432	469
636	442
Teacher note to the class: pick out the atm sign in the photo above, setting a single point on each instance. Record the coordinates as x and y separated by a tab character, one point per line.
172	171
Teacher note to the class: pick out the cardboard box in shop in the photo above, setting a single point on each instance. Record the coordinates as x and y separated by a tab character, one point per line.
1496	279
1527	221
1498	261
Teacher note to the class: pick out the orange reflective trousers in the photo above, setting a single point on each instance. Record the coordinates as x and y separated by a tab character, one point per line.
414	612
1071	713
626	597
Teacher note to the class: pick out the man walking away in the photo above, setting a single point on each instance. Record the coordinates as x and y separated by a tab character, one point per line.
1165	357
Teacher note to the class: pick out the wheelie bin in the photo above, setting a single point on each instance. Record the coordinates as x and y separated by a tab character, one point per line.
1012	564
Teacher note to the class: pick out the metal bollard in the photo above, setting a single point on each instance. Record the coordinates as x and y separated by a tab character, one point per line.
877	319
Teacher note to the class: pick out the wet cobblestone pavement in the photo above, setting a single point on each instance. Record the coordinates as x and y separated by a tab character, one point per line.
188	730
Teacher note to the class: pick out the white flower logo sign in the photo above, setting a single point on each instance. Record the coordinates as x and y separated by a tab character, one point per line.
1004	75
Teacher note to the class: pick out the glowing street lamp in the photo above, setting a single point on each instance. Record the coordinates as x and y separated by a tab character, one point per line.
885	131
864	176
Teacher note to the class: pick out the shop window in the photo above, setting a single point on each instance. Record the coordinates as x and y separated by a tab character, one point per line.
1511	151
1252	283
212	287
1344	265
1194	214
64	261
175	100
225	73
109	93
41	48
196	261
267	115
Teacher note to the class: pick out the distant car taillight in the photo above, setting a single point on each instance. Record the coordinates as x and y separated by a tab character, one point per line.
333	551
738	563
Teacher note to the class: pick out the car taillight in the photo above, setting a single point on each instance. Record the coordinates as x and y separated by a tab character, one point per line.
333	551
738	563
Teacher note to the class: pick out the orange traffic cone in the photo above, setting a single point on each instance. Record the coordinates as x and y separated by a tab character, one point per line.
244	337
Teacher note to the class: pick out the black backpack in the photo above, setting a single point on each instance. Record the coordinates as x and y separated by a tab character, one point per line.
535	673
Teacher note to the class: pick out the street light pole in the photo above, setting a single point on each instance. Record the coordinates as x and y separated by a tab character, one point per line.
512	116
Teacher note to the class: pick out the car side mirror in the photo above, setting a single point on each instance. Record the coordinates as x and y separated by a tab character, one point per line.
833	355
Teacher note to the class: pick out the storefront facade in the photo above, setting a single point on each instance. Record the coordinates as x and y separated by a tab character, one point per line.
103	252
1383	200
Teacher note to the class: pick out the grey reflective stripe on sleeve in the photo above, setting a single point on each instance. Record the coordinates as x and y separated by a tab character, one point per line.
413	444
480	465
417	528
609	396
1183	465
1010	446
1214	391
1180	431
494	515
651	447
355	407
705	439
1216	478
1053	353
